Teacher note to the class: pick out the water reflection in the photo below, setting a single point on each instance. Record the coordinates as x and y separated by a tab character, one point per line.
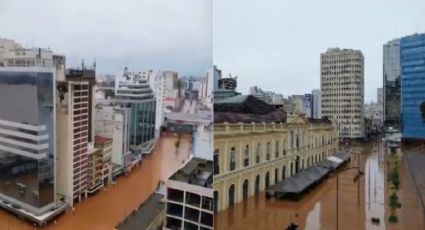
358	201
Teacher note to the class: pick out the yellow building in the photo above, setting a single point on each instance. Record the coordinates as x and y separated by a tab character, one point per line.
99	161
256	146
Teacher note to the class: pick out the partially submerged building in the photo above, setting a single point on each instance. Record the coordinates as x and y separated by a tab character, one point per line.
256	146
189	196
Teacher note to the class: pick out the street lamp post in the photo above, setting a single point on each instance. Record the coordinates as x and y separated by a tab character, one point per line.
358	192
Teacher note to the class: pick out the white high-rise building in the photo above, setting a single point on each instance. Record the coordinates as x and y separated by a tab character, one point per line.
342	85
317	103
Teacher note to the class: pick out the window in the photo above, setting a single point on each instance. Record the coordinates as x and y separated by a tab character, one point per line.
268	151
216	162
246	156
276	155
257	154
232	159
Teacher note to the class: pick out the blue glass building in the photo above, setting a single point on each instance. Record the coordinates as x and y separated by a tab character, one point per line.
412	61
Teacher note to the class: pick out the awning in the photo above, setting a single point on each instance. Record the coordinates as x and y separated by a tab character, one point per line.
300	181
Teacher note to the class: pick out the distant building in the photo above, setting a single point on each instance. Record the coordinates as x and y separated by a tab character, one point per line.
308	105
260	94
216	75
342	85
297	102
189	196
392	84
412	56
317	103
374	113
6	45
134	92
380	95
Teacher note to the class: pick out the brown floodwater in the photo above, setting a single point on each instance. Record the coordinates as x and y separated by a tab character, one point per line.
358	202
107	209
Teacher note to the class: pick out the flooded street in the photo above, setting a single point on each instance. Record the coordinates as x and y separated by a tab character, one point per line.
107	208
358	202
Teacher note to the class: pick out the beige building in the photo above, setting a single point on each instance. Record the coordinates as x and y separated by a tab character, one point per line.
99	160
249	155
74	117
342	85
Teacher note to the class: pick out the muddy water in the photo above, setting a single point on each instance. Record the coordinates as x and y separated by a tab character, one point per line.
106	209
358	201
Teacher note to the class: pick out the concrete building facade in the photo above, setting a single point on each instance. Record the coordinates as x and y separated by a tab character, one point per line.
342	86
249	157
189	196
75	96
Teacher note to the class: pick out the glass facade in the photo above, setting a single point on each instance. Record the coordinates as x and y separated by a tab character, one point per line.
412	55
142	122
27	138
392	84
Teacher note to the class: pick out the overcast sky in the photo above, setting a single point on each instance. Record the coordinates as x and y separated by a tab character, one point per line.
140	34
277	44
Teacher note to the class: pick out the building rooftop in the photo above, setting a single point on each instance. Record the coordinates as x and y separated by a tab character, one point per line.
145	215
243	104
197	171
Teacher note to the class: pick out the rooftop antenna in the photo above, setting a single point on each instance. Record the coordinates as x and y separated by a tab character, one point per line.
94	64
83	67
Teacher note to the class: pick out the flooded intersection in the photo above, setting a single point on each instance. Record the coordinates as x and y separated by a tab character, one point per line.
358	201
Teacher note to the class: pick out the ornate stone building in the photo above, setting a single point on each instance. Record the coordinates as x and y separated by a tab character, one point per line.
256	146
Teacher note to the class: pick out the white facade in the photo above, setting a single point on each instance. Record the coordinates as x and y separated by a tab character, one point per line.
317	103
5	46
72	141
342	85
113	122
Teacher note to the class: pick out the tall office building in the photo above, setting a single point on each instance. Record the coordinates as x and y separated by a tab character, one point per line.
134	92
28	142
412	60
392	84
189	196
317	103
380	95
342	85
74	101
308	105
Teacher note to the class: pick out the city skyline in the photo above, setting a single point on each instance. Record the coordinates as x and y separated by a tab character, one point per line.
254	48
115	34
